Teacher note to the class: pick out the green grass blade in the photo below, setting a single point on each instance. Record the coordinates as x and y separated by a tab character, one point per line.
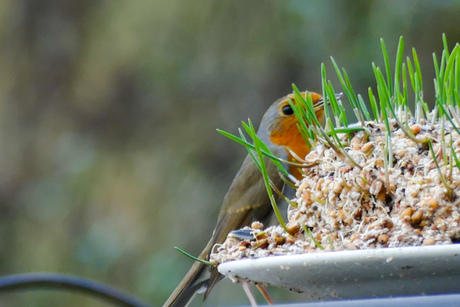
258	145
268	154
262	146
441	175
373	103
195	258
398	67
387	65
308	234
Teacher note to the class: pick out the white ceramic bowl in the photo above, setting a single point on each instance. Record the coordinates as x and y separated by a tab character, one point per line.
357	274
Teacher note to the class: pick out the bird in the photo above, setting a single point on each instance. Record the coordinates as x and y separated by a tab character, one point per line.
247	200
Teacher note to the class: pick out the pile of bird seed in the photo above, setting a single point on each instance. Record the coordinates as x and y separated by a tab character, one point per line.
342	206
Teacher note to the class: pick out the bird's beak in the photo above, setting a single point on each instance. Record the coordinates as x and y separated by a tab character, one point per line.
338	96
320	102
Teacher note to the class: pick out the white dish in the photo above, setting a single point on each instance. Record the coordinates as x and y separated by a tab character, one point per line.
357	274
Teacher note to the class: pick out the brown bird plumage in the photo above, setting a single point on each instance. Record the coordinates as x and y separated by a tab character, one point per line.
247	200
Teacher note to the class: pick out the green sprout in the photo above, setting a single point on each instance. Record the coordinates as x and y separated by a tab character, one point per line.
195	258
309	235
390	105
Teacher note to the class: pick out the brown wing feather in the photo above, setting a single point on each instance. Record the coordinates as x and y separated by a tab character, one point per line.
245	201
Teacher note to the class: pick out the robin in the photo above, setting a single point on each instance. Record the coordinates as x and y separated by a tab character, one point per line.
247	200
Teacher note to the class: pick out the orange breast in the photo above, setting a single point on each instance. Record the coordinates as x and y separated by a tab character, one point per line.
289	135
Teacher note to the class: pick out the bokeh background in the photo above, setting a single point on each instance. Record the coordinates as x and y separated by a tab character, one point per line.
108	152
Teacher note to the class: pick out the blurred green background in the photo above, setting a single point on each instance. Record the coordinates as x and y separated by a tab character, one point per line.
108	151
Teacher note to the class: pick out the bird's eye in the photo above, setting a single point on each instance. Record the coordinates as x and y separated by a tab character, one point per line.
287	110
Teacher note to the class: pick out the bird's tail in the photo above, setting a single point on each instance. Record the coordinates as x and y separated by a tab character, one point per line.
201	277
195	281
